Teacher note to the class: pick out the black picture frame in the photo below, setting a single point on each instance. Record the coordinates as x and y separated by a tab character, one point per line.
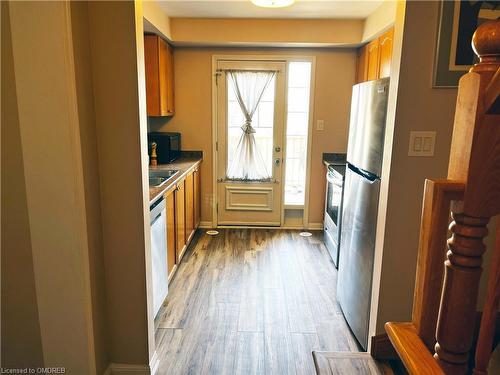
457	22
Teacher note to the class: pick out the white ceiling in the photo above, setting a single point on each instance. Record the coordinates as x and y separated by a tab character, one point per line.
245	9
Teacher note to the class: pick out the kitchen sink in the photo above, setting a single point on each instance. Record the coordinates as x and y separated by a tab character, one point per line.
159	177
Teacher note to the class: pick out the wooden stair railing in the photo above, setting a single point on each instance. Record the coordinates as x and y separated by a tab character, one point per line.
440	336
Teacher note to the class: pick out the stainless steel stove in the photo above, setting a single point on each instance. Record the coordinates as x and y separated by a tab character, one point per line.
333	209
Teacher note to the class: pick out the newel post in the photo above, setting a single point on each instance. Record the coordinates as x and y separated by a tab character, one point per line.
475	161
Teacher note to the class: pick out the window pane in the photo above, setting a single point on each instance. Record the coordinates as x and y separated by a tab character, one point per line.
262	122
299	78
299	74
298	99
297	123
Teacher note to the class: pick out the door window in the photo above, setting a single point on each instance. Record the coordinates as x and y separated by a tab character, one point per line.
262	122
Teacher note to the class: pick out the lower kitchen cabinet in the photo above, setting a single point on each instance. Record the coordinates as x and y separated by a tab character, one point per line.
171	260
197	197
189	195
182	217
180	220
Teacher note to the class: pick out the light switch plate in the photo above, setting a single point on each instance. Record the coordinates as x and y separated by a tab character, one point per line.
320	125
421	143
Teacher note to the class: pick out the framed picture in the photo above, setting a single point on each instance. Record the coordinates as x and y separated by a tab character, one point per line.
457	22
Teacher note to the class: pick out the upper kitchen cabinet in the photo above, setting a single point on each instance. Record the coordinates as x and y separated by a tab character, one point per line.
374	59
159	61
385	54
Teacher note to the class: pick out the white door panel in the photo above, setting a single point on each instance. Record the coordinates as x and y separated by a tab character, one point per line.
250	202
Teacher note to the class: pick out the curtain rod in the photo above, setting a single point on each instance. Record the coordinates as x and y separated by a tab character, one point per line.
250	70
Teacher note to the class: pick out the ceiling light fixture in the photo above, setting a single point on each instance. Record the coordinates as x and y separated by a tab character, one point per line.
273	3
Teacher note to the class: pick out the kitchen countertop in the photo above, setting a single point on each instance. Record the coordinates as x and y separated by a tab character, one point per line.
334	158
187	162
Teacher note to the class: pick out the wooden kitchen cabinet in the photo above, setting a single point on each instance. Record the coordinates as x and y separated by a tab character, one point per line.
362	66
180	220
197	197
189	189
374	59
183	217
159	63
385	53
171	249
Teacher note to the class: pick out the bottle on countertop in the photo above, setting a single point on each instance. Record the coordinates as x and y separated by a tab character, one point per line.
153	157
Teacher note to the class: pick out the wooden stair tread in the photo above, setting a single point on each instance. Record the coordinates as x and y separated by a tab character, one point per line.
411	349
340	363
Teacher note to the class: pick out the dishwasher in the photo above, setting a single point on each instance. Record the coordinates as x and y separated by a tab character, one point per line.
158	217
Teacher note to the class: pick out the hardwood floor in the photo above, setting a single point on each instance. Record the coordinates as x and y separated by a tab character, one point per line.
251	301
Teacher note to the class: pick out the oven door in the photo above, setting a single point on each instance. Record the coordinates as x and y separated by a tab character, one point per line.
333	202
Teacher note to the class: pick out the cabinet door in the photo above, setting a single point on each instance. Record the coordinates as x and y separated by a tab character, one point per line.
189	206
164	61
166	79
372	59
362	65
151	62
171	259
180	221
197	197
385	53
158	58
170	81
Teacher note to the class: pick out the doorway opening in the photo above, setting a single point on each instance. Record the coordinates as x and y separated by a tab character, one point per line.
262	125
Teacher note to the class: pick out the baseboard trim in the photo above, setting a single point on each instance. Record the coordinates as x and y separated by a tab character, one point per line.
315	226
127	369
205	225
311	226
382	349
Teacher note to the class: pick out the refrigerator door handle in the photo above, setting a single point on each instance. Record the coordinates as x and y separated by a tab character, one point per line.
369	176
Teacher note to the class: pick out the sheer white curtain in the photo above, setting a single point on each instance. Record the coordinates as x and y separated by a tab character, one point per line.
249	86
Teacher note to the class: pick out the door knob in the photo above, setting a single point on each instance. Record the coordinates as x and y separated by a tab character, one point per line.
277	161
277	149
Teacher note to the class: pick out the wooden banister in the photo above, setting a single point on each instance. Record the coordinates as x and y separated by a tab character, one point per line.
492	95
438	195
490	311
472	191
480	171
411	349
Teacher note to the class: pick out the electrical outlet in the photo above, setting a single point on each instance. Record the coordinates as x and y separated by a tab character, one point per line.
320	125
421	143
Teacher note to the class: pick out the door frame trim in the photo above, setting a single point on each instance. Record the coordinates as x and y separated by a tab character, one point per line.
286	58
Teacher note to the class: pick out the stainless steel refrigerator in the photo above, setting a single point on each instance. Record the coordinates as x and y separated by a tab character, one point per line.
361	196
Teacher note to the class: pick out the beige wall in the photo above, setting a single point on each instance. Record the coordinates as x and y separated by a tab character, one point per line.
273	32
335	71
418	107
21	339
381	19
51	157
79	135
156	16
86	114
120	118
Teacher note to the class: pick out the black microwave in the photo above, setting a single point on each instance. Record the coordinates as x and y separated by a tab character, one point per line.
168	146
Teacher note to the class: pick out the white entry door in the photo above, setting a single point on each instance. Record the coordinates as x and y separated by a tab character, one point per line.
250	197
